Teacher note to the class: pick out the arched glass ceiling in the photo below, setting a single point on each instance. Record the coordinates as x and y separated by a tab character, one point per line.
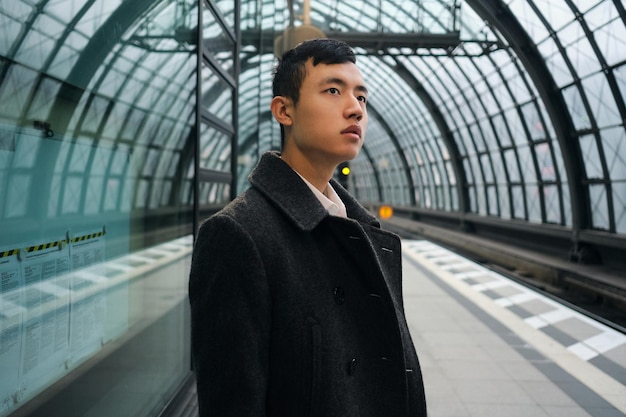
522	120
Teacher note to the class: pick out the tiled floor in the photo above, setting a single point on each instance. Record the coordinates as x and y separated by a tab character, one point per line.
492	347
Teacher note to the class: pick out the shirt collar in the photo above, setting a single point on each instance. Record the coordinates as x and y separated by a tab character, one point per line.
331	202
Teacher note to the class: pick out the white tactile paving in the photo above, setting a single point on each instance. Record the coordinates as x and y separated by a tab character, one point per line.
551	317
459	271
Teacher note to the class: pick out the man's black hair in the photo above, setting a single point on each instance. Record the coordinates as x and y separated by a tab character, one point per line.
290	72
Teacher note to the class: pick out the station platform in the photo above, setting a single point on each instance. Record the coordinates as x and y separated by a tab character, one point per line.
490	347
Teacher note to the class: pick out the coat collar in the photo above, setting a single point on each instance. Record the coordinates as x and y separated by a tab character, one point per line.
275	179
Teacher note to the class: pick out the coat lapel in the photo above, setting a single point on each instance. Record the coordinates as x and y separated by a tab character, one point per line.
283	187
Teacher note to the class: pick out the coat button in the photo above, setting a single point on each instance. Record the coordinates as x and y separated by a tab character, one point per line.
339	295
352	366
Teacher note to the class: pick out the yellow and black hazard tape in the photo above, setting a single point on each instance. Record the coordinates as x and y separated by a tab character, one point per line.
36	248
87	237
7	253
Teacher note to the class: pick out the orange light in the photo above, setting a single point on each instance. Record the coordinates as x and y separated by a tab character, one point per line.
345	171
385	212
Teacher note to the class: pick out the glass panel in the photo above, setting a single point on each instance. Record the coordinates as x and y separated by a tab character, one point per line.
215	149
516	127
498	168
620	77
527	166
214	193
533	202
529	19
501	131
556	62
592	162
95	238
579	50
545	162
599	206
567	206
611	37
492	200
574	103
551	196
533	122
485	162
558	14
505	202
601	100
471	191
614	143
619	206
226	7
519	202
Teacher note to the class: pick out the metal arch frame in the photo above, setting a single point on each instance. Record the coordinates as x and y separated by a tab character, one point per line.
394	140
500	17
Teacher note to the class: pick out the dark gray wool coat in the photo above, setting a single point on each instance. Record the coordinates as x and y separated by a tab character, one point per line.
296	313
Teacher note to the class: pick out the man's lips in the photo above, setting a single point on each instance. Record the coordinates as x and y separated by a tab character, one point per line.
353	129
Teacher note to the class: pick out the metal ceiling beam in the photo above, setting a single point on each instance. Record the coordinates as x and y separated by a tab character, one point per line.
380	41
373	42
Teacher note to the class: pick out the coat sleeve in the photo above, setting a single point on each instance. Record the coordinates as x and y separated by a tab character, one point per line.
230	321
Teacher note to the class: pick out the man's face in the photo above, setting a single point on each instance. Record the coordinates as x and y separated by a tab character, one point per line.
330	118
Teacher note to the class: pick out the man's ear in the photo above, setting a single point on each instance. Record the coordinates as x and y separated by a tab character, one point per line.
281	109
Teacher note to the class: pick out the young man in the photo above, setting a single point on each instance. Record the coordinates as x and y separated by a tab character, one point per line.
296	292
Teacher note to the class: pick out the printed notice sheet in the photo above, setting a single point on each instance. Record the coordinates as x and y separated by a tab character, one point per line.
11	313
88	303
45	319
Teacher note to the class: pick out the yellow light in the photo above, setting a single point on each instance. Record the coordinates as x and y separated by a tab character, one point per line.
345	171
385	212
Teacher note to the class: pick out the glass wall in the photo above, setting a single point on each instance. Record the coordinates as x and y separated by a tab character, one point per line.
97	137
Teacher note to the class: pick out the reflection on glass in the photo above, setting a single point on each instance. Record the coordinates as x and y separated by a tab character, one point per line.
217	41
95	239
217	95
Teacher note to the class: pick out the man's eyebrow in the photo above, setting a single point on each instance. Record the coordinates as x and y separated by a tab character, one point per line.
341	82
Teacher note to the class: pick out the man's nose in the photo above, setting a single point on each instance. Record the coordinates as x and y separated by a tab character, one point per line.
353	108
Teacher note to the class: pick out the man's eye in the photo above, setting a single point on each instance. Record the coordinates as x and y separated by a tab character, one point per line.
363	99
333	90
